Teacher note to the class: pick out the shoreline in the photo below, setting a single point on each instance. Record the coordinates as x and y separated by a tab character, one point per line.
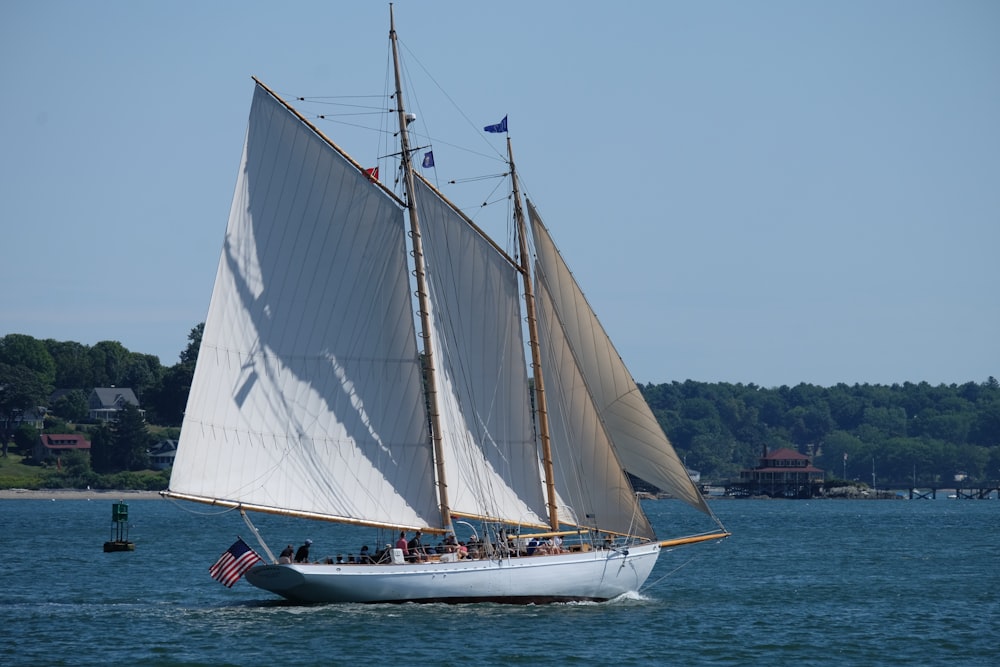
77	494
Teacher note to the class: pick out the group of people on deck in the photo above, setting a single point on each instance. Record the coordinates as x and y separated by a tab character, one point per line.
537	547
414	550
289	554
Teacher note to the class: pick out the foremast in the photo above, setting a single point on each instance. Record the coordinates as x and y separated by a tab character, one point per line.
420	272
541	405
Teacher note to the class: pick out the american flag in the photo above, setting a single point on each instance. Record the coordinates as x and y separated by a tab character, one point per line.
231	565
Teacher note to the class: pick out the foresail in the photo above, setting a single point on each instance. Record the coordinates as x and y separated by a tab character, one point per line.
490	455
307	392
639	442
588	475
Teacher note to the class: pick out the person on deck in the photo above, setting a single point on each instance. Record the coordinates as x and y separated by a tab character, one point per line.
401	544
532	546
302	555
416	548
286	554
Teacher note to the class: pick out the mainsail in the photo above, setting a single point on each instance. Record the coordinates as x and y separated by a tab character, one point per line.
307	397
486	420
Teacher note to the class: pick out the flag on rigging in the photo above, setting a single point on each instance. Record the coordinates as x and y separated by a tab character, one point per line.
428	160
234	561
499	127
372	173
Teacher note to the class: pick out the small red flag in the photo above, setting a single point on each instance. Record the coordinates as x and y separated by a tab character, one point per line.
372	173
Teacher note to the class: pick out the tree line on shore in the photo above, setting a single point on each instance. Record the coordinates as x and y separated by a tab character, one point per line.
909	433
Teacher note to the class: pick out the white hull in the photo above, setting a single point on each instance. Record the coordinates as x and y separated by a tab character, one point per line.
592	575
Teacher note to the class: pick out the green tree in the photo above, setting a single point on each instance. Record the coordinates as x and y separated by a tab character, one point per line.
884	422
809	424
56	424
25	438
109	362
21	388
71	406
168	399
103	457
985	427
142	372
166	402
972	460
190	354
22	350
73	365
131	439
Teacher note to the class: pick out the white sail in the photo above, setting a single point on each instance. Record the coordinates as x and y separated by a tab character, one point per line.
307	395
490	455
588	475
640	444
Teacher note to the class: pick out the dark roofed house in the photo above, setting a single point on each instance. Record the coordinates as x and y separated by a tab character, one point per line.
162	454
105	402
54	444
783	473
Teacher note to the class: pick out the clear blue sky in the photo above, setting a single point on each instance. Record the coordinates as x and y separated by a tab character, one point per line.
767	192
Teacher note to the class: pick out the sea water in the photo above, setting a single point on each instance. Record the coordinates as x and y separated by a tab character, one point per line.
846	582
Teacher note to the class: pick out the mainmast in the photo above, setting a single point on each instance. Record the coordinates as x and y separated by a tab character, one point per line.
541	405
418	258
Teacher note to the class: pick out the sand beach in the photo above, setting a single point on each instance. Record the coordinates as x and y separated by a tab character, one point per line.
76	494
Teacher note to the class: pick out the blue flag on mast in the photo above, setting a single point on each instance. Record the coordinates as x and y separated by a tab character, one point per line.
428	160
499	127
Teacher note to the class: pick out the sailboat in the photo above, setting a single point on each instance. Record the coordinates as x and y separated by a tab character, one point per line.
324	389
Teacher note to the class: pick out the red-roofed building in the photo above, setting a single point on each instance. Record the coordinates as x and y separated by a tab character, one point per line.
783	473
54	444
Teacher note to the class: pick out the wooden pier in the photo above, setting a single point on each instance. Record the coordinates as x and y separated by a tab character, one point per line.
972	493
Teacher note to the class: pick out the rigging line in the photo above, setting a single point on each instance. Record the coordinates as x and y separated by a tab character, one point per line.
487	201
458	147
471	179
490	202
362	127
311	98
325	116
668	574
341	104
187	509
453	103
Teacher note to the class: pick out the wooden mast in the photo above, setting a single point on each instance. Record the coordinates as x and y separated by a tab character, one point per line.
541	404
430	378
